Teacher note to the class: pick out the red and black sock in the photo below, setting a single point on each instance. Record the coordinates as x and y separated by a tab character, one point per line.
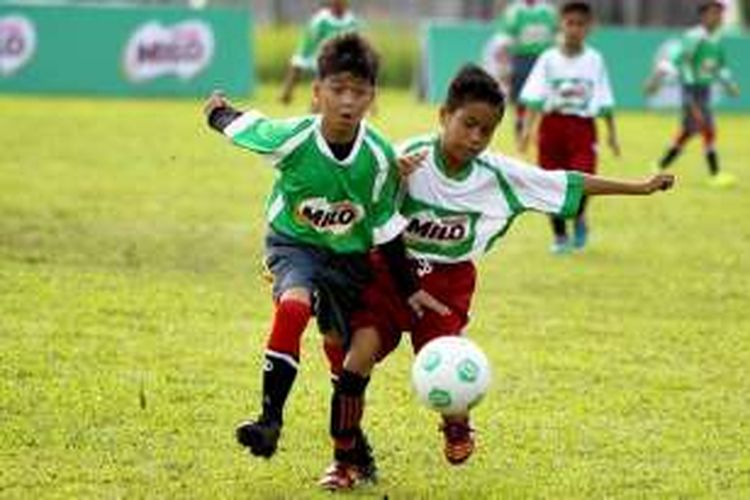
347	407
282	356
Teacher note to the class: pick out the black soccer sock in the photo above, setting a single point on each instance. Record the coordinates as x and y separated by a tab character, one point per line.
670	156
347	406
558	227
279	372
713	162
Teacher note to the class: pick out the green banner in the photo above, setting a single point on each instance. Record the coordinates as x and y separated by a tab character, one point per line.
631	56
124	51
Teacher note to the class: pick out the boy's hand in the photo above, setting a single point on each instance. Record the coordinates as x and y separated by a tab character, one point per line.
215	100
659	182
420	301
409	163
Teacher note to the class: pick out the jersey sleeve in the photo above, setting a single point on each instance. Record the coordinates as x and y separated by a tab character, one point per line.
536	89
272	138
556	192
387	222
605	101
508	22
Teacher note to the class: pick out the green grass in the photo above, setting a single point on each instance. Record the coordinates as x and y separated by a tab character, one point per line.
133	315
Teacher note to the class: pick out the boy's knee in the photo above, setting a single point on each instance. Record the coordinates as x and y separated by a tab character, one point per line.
363	352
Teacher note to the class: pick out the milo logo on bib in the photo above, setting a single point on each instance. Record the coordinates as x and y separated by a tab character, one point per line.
325	217
426	227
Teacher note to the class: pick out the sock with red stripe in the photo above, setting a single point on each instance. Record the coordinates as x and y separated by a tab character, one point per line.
347	406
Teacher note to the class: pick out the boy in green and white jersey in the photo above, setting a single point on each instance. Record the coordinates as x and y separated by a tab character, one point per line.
459	200
531	25
333	19
701	62
332	201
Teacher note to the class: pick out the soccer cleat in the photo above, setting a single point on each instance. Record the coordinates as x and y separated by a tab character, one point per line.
261	436
459	442
722	180
561	246
341	476
580	234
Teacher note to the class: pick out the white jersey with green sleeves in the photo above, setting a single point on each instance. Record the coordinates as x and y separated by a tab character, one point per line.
321	27
570	85
454	219
345	205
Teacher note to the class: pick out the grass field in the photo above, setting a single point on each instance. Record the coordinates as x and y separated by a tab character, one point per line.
133	315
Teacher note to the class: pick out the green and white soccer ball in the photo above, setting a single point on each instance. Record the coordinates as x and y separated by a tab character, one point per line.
451	375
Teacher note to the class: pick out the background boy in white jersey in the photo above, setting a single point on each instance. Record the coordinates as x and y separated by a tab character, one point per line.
333	200
332	19
700	62
459	201
570	86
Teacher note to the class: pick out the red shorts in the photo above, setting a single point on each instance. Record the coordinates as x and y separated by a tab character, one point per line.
567	143
386	311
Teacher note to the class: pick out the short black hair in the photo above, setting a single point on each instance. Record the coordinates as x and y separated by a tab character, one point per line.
472	84
578	8
349	53
704	6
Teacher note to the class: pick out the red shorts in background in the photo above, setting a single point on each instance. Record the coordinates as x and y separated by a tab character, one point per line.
386	311
567	143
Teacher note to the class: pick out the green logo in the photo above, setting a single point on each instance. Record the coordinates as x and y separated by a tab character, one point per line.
468	371
431	361
439	398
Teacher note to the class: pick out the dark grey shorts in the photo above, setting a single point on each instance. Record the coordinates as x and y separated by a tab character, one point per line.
522	66
334	280
700	95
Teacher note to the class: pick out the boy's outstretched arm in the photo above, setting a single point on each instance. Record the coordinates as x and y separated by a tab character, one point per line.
595	185
219	111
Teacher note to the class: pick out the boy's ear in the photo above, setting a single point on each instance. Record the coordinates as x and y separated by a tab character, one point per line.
316	89
443	115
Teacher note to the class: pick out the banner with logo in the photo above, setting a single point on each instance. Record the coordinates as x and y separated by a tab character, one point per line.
124	51
631	55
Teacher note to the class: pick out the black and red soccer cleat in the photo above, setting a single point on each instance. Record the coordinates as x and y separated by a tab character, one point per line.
459	441
261	437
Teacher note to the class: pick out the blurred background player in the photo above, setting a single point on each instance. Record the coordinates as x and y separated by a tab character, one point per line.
531	26
570	86
460	200
333	200
701	61
333	18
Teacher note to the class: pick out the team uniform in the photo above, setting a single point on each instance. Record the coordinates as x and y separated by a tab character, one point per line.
532	29
322	26
571	91
324	213
451	223
700	62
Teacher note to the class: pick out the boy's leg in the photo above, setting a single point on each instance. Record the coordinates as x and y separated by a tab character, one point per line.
353	462
454	286
689	126
293	312
581	228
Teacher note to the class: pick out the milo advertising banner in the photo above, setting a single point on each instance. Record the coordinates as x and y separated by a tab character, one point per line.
124	51
632	55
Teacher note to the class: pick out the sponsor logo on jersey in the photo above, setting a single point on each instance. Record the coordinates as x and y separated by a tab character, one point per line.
336	218
155	50
17	43
426	227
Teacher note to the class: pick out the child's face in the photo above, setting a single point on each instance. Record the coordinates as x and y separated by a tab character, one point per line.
575	27
343	100
712	17
338	6
468	130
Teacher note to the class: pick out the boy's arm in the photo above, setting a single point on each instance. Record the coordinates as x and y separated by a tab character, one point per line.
726	77
612	139
594	185
533	96
529	123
